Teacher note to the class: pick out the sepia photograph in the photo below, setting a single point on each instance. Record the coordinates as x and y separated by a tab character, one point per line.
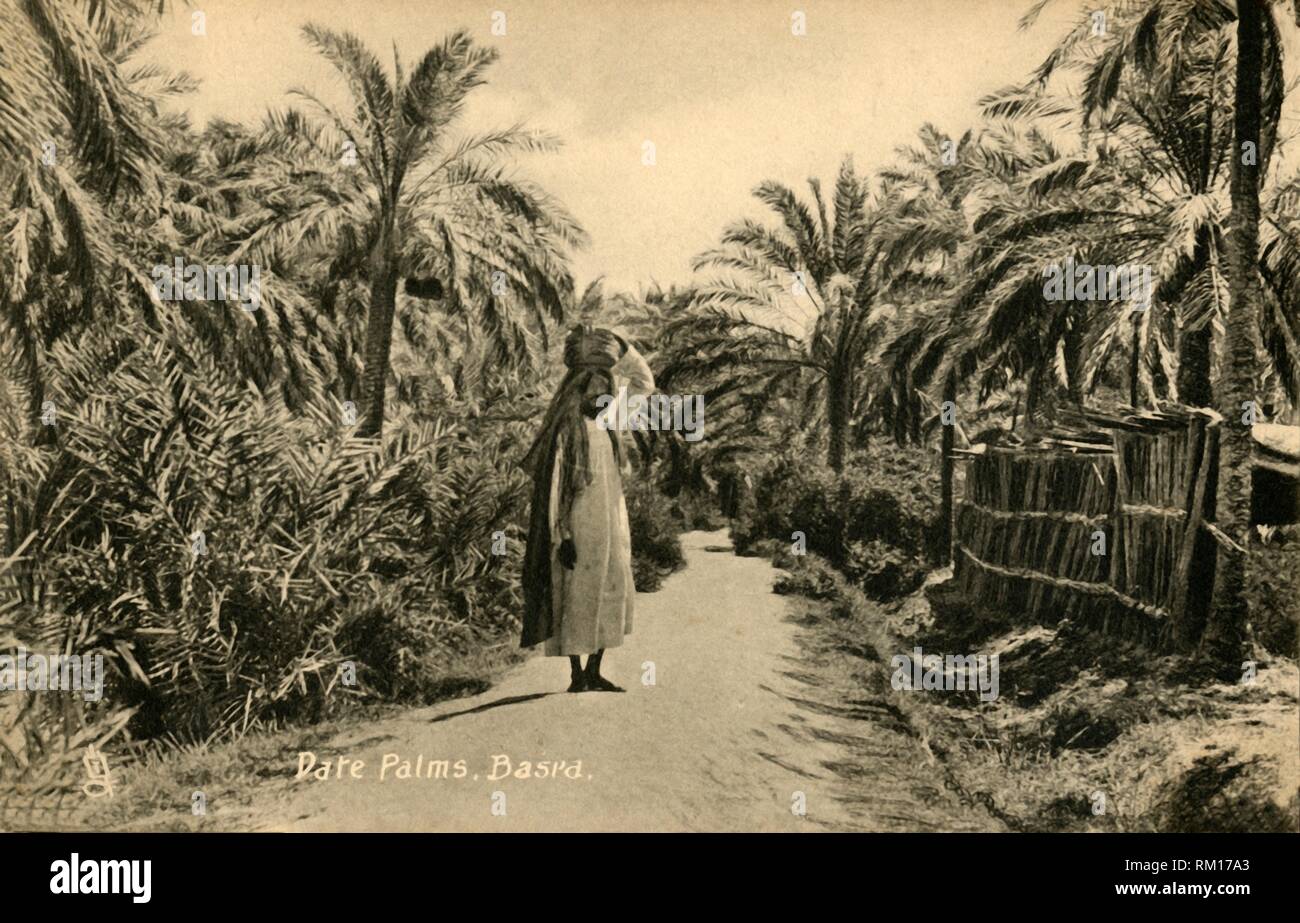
868	417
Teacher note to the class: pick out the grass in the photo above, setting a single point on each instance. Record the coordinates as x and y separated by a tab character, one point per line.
1089	733
156	791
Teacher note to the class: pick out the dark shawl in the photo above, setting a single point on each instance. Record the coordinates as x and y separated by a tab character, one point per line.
562	425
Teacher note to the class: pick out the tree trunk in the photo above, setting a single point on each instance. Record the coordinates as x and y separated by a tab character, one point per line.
1134	359
678	468
379	340
837	384
42	435
1033	394
1194	351
1196	347
945	471
1072	347
1222	642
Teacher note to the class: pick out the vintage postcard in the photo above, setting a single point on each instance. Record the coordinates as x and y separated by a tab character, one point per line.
589	416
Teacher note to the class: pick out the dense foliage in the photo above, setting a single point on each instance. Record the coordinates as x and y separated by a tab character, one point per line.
261	516
875	522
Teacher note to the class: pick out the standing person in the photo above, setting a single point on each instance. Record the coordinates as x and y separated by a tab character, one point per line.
578	588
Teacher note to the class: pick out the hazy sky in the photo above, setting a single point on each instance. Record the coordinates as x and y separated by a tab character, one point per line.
724	90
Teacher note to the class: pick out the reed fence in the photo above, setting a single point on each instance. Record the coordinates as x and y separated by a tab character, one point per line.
1102	522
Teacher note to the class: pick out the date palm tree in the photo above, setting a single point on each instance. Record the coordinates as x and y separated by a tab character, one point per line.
934	190
1168	64
1158	36
77	141
388	193
1224	634
791	310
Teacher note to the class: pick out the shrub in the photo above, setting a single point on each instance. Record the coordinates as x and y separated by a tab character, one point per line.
318	548
808	576
1273	588
656	547
874	522
882	570
697	510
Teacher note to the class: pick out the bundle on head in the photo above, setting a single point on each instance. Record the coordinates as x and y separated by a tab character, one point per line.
591	348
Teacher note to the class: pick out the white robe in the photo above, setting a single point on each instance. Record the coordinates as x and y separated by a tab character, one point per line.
592	604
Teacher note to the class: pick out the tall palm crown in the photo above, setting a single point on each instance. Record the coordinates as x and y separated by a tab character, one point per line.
1156	84
78	146
384	192
1147	186
790	311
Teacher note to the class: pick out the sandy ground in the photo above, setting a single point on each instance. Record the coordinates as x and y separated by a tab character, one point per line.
726	738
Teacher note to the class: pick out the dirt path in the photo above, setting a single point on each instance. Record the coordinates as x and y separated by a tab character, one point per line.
725	738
